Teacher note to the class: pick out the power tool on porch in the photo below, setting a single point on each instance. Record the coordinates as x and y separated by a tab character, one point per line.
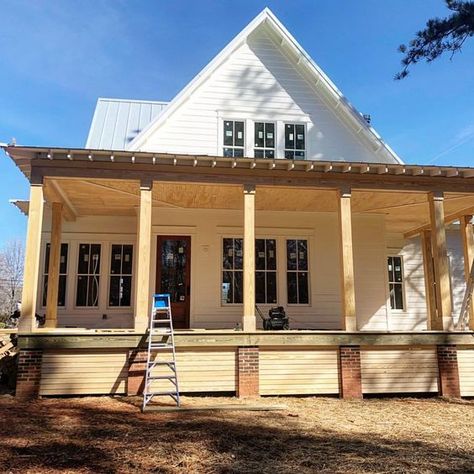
161	377
277	319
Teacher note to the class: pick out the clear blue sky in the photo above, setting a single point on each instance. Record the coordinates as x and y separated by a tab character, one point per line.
58	56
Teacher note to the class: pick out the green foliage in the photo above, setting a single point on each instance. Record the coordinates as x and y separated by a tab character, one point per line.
440	35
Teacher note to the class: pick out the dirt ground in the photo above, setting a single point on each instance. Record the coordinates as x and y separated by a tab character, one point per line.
111	435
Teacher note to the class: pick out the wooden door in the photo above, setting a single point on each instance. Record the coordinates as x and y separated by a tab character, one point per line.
173	275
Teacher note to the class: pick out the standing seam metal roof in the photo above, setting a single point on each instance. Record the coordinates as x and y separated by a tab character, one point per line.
116	122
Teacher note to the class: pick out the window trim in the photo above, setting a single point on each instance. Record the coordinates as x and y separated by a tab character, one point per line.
103	245
109	263
221	138
402	283
275	138
222	269
308	242
276	271
305	150
43	274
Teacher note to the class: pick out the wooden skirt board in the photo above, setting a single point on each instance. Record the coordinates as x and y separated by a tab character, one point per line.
83	372
466	370
302	371
399	370
202	370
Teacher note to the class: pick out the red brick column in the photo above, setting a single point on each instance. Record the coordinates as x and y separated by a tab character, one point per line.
349	372
448	371
247	372
28	373
136	371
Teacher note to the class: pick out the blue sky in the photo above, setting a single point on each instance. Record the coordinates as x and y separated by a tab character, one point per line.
58	56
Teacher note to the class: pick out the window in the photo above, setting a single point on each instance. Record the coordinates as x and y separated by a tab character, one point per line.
264	140
232	271
88	275
120	284
297	271
62	274
294	141
265	274
395	282
233	138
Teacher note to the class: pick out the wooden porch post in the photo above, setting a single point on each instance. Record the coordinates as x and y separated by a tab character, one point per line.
440	262
349	321
248	320
467	235
142	282
53	266
32	259
430	289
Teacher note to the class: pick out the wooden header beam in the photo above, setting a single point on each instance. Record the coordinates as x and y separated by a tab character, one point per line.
53	194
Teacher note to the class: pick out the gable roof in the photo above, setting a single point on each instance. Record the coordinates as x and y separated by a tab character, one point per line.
307	67
116	122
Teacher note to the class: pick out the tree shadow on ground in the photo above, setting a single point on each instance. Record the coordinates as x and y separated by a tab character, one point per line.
79	436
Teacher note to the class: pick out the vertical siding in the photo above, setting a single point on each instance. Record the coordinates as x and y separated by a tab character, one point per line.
299	371
466	370
399	370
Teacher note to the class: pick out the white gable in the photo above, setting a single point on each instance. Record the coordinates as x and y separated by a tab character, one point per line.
261	80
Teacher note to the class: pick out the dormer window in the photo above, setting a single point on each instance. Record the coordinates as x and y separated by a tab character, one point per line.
295	146
234	139
264	140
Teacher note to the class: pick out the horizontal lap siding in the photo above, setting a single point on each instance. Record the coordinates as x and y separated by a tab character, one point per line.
298	371
76	372
397	370
466	371
205	370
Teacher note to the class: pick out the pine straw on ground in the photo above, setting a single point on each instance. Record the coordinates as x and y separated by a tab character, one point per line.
111	435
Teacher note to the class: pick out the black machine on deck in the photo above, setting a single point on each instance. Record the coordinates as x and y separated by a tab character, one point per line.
277	319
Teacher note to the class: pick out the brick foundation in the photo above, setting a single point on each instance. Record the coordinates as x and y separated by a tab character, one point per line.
136	371
349	372
28	374
247	372
448	371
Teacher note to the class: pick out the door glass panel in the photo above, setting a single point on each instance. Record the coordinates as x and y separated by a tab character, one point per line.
173	269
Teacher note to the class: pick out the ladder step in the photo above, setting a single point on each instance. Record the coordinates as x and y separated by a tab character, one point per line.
171	362
162	377
161	346
174	393
160	320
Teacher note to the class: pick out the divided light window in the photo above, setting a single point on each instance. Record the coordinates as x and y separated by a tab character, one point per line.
232	271
264	140
88	275
120	283
62	274
265	271
297	276
233	139
395	282
295	148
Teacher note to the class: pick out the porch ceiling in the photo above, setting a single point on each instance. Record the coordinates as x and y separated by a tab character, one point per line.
404	211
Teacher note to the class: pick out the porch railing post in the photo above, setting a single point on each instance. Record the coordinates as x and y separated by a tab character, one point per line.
249	320
32	259
53	266
349	321
467	235
440	262
142	282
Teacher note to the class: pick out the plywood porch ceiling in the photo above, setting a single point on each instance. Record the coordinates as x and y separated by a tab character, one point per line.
403	211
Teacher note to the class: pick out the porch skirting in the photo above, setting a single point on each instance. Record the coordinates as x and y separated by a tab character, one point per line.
252	364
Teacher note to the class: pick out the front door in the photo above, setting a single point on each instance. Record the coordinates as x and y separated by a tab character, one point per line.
173	275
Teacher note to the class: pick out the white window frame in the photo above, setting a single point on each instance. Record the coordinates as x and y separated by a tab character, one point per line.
109	275
221	137
276	271
402	283
308	271
275	137
222	269
43	274
294	150
100	274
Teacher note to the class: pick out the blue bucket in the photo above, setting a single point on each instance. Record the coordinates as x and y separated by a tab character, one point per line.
161	301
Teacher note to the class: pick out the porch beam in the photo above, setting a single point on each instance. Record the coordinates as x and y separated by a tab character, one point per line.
467	236
443	320
430	287
54	194
53	266
248	318
348	321
32	259
142	281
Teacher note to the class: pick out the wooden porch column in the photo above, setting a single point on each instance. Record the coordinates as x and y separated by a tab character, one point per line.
248	320
142	281
53	266
430	289
348	322
32	259
440	262
467	235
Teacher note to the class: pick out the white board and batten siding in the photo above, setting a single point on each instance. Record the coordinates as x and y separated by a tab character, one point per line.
466	370
84	372
399	369
301	371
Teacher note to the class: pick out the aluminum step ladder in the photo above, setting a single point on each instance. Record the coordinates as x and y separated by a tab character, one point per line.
463	321
161	359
